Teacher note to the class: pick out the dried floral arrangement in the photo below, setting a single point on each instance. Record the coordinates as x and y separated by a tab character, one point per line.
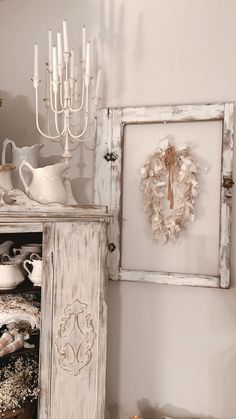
18	382
170	174
18	308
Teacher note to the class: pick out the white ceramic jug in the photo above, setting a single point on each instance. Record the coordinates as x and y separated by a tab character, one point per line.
35	275
47	184
5	176
28	153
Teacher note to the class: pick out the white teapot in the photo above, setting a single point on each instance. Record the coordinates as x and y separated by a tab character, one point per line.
10	275
47	184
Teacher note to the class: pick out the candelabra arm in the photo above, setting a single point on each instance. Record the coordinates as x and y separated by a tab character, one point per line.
53	108
77	137
48	123
85	140
56	116
91	137
82	100
57	137
67	57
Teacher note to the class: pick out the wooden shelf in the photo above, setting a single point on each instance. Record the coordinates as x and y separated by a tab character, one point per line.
20	352
25	286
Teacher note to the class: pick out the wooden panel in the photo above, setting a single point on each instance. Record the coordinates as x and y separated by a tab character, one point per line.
175	113
108	178
46	322
169	278
74	385
28	214
226	196
115	193
102	178
9	227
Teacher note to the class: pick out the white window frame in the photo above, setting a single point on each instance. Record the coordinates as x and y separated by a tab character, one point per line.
108	183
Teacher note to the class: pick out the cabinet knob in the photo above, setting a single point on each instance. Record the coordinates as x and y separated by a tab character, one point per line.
111	156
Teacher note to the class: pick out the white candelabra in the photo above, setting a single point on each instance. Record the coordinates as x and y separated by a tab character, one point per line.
65	98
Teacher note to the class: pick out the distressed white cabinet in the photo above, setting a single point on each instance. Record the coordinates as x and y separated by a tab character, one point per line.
74	312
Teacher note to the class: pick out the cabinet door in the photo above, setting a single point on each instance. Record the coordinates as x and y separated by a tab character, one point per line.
74	316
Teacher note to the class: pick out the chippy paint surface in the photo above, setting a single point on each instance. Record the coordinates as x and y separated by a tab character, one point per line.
74	253
108	183
74	261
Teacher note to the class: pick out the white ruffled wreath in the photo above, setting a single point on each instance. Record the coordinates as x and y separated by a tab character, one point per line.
170	173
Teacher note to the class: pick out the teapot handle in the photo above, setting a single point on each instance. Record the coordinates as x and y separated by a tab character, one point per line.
16	251
22	176
5	144
25	265
35	256
5	258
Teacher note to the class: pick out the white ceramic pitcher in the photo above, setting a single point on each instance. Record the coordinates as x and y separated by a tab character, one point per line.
35	274
28	153
47	184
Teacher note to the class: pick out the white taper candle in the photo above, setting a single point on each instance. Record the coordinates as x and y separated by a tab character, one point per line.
76	72
59	49
83	46
87	68
98	83
54	64
50	50
65	36
36	61
72	65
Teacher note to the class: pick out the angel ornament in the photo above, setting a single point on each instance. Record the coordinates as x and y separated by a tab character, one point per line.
169	185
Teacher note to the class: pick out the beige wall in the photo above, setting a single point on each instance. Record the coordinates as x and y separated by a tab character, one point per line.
171	350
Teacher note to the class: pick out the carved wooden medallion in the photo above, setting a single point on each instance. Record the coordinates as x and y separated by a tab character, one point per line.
75	338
